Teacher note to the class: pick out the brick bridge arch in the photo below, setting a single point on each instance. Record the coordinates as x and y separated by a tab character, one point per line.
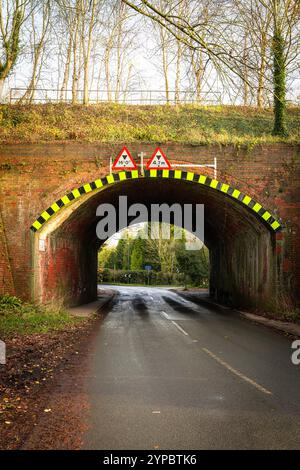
32	176
239	231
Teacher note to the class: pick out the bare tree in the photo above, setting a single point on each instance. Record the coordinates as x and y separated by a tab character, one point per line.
163	39
69	28
41	15
197	61
88	23
161	249
118	43
13	14
218	47
190	32
248	50
257	20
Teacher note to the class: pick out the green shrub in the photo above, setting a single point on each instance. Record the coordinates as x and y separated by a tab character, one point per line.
17	317
9	301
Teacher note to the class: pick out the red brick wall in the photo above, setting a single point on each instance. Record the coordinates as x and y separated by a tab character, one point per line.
6	279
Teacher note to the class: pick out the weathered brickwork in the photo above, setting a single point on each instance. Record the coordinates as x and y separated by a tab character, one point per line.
32	177
6	280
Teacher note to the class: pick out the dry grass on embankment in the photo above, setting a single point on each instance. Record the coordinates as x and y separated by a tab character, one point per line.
199	125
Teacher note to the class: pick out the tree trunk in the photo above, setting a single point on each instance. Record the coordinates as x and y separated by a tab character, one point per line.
75	71
119	55
279	78
10	31
86	83
261	73
29	95
107	70
260	88
63	90
76	52
199	75
245	81
1	88
87	52
178	72
127	83
30	92
165	68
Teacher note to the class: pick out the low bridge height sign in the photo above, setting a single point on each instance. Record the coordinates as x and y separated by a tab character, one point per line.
158	161
124	161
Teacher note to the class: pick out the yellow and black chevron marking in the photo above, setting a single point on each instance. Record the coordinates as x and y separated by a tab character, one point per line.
172	174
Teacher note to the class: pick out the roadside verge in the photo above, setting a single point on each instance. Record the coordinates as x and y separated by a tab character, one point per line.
32	384
289	328
105	297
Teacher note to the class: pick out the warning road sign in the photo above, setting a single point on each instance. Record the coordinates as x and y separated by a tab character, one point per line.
158	160
124	161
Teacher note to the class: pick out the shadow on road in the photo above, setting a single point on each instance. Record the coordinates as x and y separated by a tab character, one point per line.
140	307
179	307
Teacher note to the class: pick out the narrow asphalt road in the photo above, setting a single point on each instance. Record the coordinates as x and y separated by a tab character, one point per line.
167	373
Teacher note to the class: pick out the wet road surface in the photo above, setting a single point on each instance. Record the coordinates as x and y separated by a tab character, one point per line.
166	373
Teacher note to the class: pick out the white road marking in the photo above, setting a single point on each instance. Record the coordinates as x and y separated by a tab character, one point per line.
236	372
156	412
165	315
174	323
179	328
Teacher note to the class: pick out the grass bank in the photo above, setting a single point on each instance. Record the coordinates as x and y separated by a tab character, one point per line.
18	318
41	346
199	125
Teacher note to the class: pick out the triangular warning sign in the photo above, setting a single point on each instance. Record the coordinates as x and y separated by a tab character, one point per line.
158	160
124	161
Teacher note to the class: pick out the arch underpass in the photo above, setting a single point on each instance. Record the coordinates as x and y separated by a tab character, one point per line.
239	233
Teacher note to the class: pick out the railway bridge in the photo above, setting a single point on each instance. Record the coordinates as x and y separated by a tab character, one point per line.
49	195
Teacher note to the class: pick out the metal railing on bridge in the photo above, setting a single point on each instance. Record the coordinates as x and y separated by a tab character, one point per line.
137	97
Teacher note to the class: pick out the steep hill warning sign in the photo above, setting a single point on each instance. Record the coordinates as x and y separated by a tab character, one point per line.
158	160
124	161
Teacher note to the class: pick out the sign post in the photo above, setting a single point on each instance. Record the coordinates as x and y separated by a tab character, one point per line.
148	268
142	155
